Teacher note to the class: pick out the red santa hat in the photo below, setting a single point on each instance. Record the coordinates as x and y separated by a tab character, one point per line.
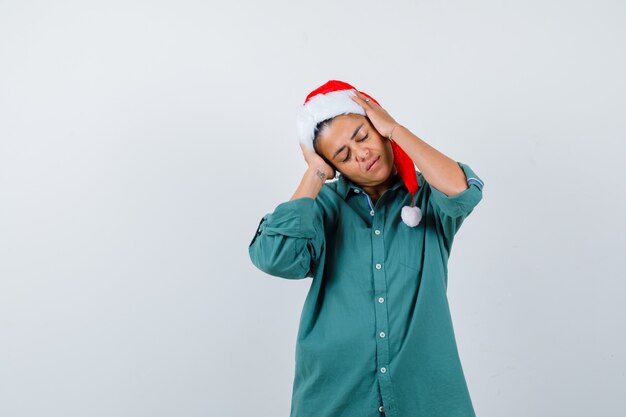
332	99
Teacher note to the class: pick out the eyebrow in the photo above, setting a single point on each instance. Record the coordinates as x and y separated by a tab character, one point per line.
351	138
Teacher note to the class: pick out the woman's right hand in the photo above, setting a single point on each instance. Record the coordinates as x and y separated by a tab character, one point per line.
315	161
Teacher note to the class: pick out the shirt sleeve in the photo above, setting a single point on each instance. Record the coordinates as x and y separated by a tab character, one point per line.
289	241
451	211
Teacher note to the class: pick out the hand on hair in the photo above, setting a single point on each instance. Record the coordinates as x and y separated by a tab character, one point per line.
382	121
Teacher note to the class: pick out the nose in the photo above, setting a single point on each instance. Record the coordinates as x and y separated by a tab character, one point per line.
362	153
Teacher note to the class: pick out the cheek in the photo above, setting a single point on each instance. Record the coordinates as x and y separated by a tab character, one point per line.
388	154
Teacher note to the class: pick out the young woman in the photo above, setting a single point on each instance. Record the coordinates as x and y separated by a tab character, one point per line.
376	336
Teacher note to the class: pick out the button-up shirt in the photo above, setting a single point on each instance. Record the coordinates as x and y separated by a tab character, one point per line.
375	330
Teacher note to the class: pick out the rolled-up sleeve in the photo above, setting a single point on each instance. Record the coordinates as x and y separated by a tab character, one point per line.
289	241
451	211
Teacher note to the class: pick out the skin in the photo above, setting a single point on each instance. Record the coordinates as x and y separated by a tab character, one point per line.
439	170
353	154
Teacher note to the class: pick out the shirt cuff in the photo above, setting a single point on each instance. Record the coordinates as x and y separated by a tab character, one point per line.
463	203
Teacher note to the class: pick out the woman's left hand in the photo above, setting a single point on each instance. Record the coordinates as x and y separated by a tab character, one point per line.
382	121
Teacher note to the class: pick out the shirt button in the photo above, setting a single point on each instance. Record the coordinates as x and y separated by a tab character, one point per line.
381	408
376	232
383	370
378	266
372	212
357	191
381	334
381	300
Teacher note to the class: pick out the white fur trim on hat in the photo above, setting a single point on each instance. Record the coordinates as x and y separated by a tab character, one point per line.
321	107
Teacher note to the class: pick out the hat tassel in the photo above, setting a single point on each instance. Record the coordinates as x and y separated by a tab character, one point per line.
411	215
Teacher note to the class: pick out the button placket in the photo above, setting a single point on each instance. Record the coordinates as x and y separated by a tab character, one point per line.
369	202
380	301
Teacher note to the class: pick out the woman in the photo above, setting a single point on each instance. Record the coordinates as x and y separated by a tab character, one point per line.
375	335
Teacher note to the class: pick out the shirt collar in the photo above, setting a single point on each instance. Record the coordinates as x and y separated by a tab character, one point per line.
345	186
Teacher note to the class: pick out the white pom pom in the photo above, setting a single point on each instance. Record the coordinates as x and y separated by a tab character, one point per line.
411	215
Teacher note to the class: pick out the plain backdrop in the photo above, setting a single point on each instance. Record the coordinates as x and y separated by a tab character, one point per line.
141	142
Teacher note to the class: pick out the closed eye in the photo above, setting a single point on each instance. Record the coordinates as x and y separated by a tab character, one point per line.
349	153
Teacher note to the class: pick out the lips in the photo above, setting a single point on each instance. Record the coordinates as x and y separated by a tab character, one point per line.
373	162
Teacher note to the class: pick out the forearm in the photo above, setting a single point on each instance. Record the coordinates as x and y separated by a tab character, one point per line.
311	184
438	170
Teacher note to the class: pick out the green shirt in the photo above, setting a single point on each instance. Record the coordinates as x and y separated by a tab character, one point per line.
375	330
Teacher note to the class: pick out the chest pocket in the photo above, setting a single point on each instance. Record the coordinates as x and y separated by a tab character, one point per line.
407	247
412	258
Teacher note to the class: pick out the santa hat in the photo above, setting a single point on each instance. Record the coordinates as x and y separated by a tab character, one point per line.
332	99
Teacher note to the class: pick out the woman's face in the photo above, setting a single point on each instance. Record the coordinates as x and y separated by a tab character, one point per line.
357	150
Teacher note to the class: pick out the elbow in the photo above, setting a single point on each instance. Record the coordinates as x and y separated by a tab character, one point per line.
280	271
458	190
279	264
455	190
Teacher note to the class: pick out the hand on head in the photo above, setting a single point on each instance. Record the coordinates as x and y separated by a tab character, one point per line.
380	118
315	161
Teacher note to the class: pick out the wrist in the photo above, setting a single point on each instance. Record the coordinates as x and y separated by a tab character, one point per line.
312	182
317	173
393	130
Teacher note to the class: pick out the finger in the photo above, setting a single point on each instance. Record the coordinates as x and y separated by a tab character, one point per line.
364	100
360	101
357	96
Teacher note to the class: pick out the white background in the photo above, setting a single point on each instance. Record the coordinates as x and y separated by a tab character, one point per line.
142	142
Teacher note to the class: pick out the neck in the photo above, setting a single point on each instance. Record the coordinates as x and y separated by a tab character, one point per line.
376	191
